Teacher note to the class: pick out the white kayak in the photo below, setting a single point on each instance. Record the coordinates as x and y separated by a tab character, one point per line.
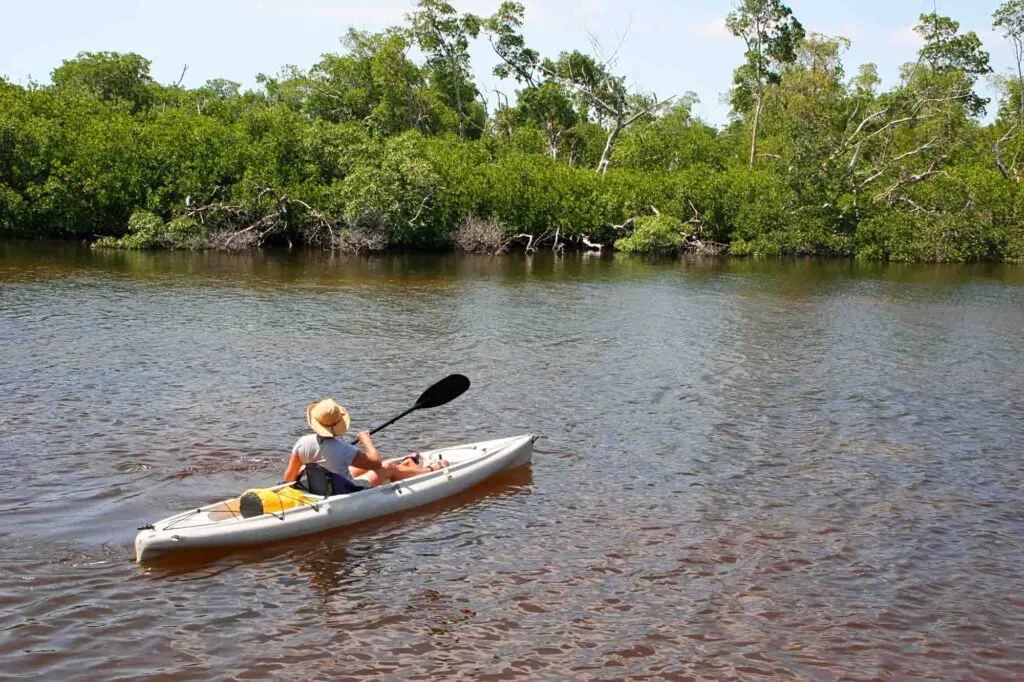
221	525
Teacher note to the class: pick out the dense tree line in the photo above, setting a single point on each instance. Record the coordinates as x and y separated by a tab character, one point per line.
370	148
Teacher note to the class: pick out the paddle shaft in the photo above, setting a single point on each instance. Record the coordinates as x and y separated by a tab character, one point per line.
444	391
391	421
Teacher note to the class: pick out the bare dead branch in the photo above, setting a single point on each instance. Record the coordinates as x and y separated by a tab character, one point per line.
596	44
526	75
912	152
423	204
997	151
933	170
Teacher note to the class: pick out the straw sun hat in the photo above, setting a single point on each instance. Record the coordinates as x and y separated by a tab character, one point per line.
327	418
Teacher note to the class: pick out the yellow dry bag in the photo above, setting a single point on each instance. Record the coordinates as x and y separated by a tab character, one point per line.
259	501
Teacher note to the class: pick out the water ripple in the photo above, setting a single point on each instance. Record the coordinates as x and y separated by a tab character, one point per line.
749	470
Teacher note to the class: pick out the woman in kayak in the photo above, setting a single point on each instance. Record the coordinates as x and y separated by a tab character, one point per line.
350	468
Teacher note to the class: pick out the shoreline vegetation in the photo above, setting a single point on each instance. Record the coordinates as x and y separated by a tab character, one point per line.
389	144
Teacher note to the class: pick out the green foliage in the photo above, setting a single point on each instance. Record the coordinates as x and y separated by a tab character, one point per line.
517	60
772	35
12	212
110	76
919	237
385	191
388	144
548	107
946	50
1010	18
148	231
444	37
659	235
670	142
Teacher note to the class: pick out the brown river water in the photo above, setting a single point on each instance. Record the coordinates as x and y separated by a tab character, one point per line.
748	470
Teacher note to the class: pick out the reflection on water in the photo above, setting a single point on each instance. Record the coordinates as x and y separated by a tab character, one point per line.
749	468
331	543
48	260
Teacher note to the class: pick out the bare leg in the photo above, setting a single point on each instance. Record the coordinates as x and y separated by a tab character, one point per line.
373	477
397	469
384	471
408	469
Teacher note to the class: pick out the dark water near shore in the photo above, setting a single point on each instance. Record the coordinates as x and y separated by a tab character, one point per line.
791	470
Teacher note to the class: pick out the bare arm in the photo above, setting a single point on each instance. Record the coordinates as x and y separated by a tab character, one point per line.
368	457
294	465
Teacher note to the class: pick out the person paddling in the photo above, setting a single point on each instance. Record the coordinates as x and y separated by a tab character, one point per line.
350	469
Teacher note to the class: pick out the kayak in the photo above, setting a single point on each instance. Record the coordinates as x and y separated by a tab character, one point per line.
221	525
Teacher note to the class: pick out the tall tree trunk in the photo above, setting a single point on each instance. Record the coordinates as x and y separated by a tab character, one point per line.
552	135
456	78
573	151
458	98
757	122
606	155
1019	52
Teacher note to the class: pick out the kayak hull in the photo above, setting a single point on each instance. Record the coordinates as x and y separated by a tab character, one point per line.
217	526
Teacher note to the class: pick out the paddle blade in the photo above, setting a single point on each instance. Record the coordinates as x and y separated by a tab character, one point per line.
444	391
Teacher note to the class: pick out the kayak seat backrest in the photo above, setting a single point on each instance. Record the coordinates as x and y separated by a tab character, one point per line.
318	480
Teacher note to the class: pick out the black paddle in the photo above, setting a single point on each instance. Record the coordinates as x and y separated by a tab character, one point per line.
444	391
